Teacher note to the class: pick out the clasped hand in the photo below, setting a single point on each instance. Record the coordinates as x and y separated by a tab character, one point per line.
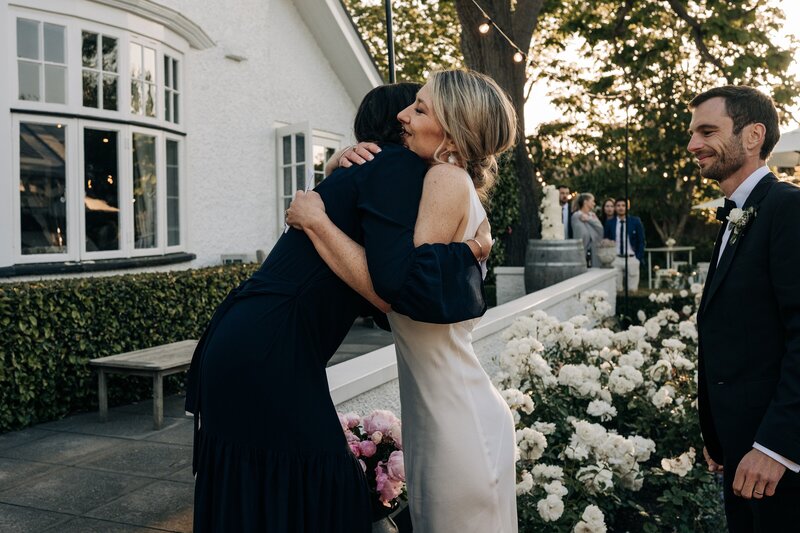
306	209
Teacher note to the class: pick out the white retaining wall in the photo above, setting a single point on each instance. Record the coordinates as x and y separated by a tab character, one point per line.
369	382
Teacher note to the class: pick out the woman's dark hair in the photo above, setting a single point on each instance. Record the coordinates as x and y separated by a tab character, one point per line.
376	119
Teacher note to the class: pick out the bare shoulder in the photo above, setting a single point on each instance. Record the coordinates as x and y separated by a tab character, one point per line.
448	180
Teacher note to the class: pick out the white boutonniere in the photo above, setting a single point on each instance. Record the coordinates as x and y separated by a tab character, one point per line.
739	219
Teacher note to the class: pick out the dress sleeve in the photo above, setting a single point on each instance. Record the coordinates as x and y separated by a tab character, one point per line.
439	283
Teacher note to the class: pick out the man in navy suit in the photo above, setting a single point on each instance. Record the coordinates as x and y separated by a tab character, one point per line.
749	316
628	232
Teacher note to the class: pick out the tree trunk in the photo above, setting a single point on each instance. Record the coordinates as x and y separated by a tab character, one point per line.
492	55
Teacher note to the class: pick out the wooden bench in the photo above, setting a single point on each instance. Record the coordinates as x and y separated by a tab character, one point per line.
155	362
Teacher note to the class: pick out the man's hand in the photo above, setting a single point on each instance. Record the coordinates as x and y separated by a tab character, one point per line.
713	466
306	209
484	236
757	475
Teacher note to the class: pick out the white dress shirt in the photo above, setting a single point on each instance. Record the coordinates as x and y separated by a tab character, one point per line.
739	197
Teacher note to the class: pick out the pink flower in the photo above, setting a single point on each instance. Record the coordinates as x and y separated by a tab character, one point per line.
379	420
351	437
355	448
395	467
352	420
396	434
377	437
388	488
367	448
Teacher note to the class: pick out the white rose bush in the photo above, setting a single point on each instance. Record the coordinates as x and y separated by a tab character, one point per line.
607	431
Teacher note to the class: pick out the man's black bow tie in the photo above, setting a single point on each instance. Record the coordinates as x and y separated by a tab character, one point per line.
724	211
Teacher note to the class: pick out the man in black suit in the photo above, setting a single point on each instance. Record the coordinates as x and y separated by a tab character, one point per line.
749	317
630	247
564	197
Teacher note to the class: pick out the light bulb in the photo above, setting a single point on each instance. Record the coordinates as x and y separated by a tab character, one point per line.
484	28
518	57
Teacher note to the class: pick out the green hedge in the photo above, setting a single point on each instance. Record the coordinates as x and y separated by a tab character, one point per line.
50	329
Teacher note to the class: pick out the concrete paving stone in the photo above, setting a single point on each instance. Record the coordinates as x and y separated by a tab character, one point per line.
161	505
91	525
61	448
16	519
17	438
72	490
184	476
181	432
143	458
16	471
124	425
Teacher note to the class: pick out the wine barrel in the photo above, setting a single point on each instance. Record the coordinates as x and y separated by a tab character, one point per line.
549	262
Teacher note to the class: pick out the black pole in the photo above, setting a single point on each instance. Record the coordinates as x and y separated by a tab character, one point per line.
627	206
390	39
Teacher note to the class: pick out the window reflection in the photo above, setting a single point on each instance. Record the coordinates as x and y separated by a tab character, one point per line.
42	188
101	189
144	191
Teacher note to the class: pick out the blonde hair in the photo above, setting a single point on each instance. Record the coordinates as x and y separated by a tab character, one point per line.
477	115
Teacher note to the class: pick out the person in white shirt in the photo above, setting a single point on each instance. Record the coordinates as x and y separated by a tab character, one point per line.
564	196
749	316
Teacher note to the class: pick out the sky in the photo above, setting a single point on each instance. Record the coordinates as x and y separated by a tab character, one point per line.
539	109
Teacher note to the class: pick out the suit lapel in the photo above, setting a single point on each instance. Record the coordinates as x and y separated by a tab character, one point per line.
725	261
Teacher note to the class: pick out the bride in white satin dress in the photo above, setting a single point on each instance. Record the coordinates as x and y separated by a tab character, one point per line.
458	433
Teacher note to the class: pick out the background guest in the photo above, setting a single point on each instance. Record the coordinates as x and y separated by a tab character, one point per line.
587	226
628	233
564	197
608	212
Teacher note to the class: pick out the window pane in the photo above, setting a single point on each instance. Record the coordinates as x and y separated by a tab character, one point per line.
319	158
42	188
175	74
136	61
110	91
300	174
167	106
101	188
55	84
54	43
287	150
90	89
173	204
167	73
300	147
150	102
175	109
109	54
28	39
89	49
288	188
149	65
144	191
29	81
136	97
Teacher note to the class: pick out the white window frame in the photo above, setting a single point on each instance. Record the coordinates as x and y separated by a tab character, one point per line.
157	82
182	227
327	140
41	19
72	194
122	48
176	58
121	176
161	190
292	130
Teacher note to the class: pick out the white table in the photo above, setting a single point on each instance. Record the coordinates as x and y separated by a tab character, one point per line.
668	250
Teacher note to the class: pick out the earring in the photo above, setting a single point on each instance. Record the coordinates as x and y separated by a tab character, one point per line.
452	159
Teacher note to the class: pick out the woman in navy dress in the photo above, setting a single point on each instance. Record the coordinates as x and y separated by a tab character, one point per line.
269	451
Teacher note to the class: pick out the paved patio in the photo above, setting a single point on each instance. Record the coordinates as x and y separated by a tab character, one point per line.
78	475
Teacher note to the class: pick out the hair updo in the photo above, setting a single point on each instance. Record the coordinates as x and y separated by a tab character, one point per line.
478	117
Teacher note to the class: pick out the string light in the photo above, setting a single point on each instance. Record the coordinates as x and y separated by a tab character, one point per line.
486	25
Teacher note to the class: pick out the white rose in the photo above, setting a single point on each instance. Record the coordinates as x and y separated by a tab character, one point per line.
526	484
680	465
550	508
555	487
602	410
735	215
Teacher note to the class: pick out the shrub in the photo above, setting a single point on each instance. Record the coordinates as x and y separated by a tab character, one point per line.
50	330
607	430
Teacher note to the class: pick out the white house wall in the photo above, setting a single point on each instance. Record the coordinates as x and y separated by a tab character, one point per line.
231	107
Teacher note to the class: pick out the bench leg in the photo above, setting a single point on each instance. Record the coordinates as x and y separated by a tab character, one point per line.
158	400
102	394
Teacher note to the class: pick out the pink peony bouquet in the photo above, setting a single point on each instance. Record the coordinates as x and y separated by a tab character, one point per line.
377	441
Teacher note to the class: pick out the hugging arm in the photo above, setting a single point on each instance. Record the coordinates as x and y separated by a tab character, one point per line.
419	282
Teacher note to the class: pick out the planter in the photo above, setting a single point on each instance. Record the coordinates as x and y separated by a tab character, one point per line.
549	262
606	255
509	283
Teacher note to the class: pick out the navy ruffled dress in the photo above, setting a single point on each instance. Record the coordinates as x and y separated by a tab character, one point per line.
269	452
